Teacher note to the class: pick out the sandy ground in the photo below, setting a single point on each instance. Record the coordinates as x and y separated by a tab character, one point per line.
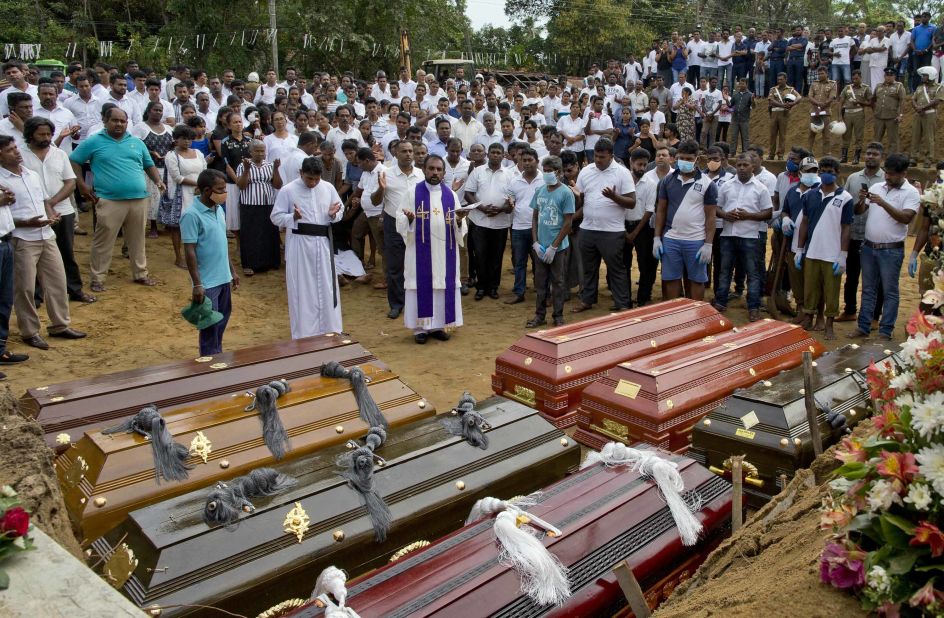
134	326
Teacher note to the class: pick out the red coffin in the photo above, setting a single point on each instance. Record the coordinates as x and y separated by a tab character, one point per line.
659	398
548	369
607	515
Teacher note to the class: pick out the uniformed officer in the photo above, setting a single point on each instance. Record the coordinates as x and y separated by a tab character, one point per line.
888	100
925	100
822	95
780	101
854	99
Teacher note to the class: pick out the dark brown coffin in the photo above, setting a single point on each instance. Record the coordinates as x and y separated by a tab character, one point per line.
548	369
658	398
75	407
104	477
606	515
767	422
256	564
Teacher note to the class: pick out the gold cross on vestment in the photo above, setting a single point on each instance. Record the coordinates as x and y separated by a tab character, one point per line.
450	231
422	214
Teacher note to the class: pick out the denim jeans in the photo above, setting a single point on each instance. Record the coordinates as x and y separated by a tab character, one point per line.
796	73
743	252
211	338
725	75
880	266
520	252
841	74
776	68
6	291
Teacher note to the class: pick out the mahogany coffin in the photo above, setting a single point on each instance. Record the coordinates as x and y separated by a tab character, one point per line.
606	515
767	422
658	398
104	477
548	369
67	410
430	481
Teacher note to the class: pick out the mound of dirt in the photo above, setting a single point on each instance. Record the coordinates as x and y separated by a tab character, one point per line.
771	566
26	465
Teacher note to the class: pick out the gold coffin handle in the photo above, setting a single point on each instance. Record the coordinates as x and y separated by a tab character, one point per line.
751	478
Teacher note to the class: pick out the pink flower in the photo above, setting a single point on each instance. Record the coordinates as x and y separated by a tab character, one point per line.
878	382
925	595
928	534
899	466
850	450
921	323
838	568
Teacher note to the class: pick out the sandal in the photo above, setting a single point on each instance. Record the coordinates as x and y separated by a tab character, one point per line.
147	281
581	308
82	297
97	286
249	272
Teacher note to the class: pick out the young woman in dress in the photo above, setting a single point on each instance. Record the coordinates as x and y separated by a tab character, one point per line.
184	164
157	137
233	149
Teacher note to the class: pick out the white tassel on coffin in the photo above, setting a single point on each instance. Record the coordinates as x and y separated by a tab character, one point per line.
331	593
543	577
666	475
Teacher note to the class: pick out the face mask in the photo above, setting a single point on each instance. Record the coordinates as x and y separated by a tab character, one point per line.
686	167
550	178
218	198
792	166
827	178
714	166
809	178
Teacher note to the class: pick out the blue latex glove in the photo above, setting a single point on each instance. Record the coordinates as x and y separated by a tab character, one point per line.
776	223
913	265
798	261
657	248
704	253
549	254
787	226
538	249
839	266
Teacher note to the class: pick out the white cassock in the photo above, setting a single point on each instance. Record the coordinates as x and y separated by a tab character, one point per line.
308	259
438	254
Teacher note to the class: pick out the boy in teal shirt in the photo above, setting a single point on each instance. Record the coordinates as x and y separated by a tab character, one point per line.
553	206
203	232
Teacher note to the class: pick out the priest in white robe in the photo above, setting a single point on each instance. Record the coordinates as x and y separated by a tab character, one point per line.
433	231
306	208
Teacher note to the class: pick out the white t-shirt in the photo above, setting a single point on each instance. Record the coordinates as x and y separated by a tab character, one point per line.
53	172
880	227
368	184
676	90
602	123
689	220
521	191
491	188
751	196
572	127
843	45
724	49
709	60
695	48
601	214
656	121
824	243
900	44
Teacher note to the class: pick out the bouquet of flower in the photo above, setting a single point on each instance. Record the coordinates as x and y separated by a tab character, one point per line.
14	529
887	500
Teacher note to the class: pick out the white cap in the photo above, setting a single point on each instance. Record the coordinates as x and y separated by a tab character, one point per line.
931	72
252	77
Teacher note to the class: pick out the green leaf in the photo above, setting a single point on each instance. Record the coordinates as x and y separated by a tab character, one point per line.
892	534
4	580
900	522
902	562
854	470
887	445
930	567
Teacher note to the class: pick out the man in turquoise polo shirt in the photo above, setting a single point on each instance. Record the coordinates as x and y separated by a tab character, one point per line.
119	162
203	232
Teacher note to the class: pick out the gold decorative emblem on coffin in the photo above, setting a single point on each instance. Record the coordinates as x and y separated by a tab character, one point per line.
76	471
119	566
523	394
612	429
201	446
409	549
282	609
297	522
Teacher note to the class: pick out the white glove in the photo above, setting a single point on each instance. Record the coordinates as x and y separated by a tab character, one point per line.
787	226
549	254
839	266
704	254
538	249
657	247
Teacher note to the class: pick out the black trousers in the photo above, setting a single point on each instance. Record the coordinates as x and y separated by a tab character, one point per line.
642	245
394	254
608	247
65	240
489	250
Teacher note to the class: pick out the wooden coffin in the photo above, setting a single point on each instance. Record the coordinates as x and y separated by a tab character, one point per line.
606	515
104	477
658	398
548	369
67	410
430	481
767	422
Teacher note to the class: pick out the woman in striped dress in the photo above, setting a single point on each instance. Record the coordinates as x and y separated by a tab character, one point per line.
259	239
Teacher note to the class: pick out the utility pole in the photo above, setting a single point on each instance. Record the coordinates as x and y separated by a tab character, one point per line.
275	39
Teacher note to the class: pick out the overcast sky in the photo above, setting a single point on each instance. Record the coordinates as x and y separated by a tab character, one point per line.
483	12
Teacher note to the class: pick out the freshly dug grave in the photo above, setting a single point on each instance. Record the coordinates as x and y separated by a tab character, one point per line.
771	566
26	465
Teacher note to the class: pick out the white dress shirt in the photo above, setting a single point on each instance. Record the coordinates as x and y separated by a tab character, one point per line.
30	194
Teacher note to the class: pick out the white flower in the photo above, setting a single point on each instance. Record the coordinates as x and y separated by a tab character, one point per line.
914	348
931	466
927	417
904	399
7	491
903	381
882	496
919	496
878	580
841	484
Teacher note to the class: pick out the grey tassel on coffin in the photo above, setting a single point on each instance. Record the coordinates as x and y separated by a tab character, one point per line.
358	468
468	423
368	408
273	432
226	501
170	458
